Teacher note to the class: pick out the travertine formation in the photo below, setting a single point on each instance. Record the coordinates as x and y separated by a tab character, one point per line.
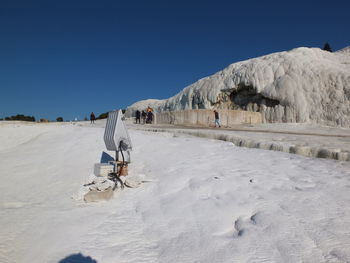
301	85
206	117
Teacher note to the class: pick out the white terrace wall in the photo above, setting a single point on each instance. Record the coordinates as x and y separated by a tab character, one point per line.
206	117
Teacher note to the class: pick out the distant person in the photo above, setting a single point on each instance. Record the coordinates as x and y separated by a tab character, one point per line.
217	119
149	109
138	116
149	117
143	115
92	118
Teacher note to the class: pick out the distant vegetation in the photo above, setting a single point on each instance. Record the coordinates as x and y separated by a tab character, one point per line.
105	115
20	117
59	119
327	47
102	116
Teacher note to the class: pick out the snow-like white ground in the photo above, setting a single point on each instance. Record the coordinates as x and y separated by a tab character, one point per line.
204	201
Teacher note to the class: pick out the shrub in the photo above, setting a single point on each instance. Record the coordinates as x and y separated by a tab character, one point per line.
327	47
102	116
20	117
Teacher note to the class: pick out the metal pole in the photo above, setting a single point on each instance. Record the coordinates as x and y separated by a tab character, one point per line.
116	159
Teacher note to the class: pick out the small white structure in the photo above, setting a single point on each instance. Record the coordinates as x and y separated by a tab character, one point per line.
116	136
117	139
103	169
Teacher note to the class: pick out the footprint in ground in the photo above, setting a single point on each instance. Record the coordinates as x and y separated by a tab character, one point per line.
245	223
242	225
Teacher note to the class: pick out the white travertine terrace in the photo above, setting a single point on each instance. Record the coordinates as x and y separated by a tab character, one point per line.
301	85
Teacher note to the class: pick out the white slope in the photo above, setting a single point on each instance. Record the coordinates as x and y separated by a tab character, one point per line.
300	85
143	105
204	201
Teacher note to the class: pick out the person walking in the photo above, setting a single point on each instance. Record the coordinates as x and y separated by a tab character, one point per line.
138	116
217	119
149	117
143	115
92	118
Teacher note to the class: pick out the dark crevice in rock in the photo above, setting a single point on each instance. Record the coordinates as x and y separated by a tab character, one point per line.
197	101
244	95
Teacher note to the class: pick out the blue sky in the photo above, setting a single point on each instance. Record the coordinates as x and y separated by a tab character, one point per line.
68	58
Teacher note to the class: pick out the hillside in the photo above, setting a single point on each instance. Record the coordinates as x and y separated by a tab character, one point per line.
301	85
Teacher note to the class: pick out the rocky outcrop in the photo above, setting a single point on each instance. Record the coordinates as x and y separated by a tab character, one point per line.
302	85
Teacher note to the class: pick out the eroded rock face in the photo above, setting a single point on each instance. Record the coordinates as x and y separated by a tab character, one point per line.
301	85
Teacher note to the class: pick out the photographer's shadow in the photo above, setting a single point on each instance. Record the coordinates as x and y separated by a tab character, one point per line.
77	258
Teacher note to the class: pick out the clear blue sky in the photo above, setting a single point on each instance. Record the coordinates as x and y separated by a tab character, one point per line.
68	58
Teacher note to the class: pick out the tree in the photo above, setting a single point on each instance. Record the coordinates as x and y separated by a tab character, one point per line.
327	47
102	116
20	117
59	119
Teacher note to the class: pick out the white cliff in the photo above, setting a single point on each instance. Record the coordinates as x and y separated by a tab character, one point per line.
143	105
300	85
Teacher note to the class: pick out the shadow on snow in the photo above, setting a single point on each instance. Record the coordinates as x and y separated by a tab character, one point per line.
77	258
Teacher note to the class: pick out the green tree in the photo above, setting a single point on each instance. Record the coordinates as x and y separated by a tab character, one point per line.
102	116
20	117
59	119
327	47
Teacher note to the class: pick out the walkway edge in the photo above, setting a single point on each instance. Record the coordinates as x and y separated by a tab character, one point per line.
307	151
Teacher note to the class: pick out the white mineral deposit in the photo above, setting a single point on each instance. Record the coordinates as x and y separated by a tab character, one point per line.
301	85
